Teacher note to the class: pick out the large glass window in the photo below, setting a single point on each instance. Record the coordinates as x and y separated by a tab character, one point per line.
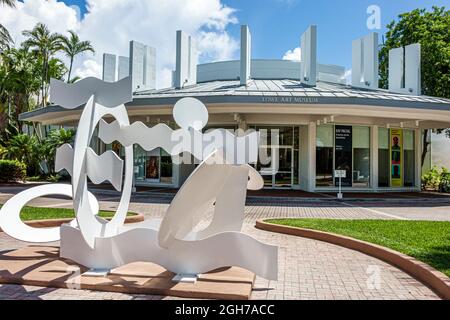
152	166
361	156
409	158
383	158
324	156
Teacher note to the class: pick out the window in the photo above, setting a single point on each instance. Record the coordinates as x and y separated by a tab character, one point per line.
324	156
361	156
383	158
409	158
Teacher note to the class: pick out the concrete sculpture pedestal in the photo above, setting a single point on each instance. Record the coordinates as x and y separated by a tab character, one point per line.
42	266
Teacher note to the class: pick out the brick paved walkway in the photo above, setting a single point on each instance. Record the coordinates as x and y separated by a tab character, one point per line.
308	269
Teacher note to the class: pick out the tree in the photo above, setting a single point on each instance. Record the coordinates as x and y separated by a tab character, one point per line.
431	30
54	140
24	148
5	38
46	44
73	46
19	82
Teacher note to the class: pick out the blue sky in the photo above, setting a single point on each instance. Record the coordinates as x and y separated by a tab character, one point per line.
276	25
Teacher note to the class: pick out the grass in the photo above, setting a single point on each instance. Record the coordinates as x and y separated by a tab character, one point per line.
427	241
34	213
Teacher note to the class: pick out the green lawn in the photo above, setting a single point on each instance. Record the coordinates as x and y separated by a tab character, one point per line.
427	241
33	213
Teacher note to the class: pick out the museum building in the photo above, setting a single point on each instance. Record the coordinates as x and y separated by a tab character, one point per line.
324	125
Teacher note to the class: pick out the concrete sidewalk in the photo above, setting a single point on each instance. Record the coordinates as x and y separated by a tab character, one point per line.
308	269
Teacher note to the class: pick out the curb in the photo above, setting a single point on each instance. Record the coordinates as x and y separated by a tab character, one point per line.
50	223
421	271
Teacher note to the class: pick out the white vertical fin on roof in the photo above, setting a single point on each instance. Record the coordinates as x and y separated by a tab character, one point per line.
142	66
365	62
186	61
246	55
308	65
109	67
405	70
124	68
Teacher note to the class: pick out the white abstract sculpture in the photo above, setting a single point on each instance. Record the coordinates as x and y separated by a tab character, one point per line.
220	183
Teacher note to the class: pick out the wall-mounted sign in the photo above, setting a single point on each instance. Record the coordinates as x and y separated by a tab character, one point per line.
343	153
396	149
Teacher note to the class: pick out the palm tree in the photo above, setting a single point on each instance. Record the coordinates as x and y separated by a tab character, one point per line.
11	3
24	148
46	44
72	46
5	38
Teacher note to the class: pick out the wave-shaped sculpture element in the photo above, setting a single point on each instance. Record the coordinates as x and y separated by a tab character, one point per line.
108	94
174	241
106	167
236	150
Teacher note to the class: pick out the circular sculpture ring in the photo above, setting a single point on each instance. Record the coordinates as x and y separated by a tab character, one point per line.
16	228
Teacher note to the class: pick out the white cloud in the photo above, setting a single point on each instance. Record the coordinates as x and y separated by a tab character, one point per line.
294	55
216	46
89	68
111	24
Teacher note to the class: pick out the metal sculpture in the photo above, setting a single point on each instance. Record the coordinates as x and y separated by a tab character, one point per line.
219	183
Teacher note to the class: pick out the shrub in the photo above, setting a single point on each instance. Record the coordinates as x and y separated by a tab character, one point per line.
12	171
437	179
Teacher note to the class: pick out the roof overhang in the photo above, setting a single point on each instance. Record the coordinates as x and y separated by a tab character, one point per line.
436	114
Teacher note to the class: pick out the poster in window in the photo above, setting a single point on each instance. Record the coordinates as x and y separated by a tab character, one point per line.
343	153
396	147
152	169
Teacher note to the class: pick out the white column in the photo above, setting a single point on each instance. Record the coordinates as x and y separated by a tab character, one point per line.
246	55
186	61
308	64
312	128
418	151
374	157
365	62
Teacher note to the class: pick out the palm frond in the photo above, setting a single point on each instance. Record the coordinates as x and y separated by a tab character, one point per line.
9	3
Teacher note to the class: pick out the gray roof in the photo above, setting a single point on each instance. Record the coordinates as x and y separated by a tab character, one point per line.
275	92
283	88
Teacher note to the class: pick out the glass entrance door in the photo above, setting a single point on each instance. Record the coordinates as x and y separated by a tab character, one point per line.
285	176
279	175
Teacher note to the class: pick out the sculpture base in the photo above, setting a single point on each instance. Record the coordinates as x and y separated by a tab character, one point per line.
42	266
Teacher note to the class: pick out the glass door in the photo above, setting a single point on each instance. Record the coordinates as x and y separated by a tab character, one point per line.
284	178
279	175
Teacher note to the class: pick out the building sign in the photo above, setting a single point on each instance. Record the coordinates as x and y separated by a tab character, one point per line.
293	100
343	153
396	148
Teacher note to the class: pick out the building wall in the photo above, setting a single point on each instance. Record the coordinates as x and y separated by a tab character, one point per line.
266	69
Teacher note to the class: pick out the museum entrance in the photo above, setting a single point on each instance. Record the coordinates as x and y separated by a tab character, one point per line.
278	161
281	175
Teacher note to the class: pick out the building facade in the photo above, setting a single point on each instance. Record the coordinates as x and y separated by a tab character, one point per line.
321	124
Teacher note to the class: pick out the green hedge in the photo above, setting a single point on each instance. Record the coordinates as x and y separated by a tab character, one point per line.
12	171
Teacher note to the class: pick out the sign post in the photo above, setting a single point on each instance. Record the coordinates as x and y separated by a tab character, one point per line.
340	174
